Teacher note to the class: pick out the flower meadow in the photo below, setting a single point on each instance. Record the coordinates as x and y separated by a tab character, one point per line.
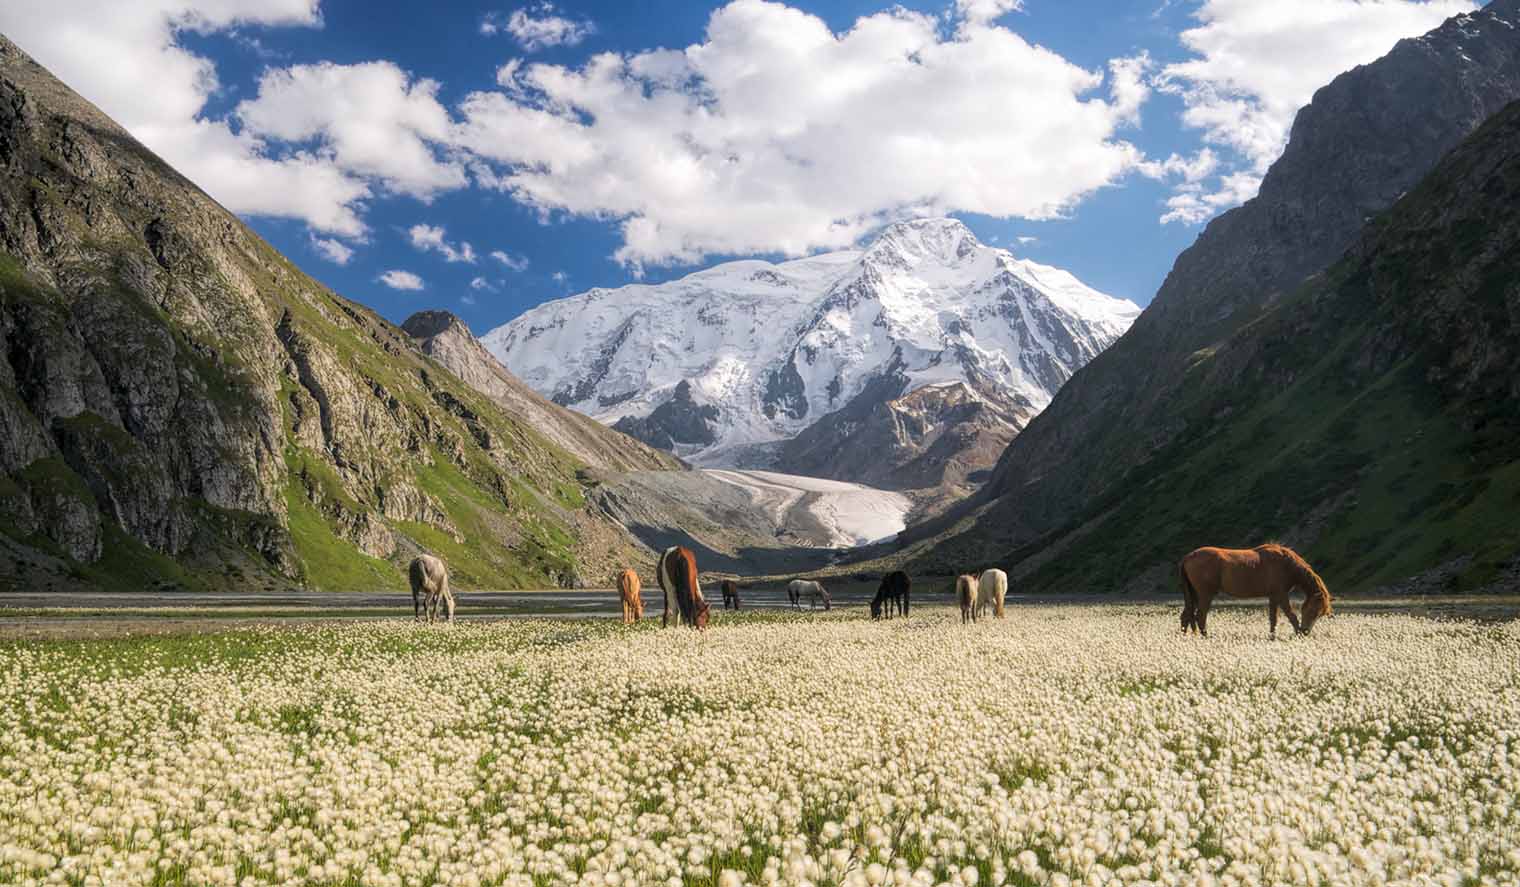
1061	746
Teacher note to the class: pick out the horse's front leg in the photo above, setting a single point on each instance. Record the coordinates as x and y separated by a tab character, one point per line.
1287	606
1272	619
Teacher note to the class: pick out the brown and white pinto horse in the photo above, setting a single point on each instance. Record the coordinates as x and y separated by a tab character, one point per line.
1271	571
628	587
677	574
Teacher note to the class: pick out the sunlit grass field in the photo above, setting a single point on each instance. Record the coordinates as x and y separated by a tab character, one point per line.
1064	745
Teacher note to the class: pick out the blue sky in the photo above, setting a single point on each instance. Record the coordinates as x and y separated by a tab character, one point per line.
485	157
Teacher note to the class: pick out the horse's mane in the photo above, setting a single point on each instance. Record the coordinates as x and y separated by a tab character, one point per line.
1314	587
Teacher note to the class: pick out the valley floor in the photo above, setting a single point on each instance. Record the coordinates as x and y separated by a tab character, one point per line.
1064	744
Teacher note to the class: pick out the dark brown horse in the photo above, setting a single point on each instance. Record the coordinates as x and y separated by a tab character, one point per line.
1271	571
730	594
891	594
677	573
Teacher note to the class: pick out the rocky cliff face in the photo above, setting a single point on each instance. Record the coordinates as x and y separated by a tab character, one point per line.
1371	418
179	404
1366	138
728	365
446	339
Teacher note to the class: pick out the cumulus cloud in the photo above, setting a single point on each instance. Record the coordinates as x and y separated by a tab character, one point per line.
1255	64
371	119
332	250
980	11
431	238
401	280
509	261
537	26
127	58
776	134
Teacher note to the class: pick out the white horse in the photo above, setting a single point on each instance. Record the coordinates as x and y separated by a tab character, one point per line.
815	592
991	589
430	584
965	595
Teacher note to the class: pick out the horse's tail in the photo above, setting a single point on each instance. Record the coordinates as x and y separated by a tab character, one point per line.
1189	596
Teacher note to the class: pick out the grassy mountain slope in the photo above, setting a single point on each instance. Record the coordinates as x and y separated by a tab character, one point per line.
180	405
1366	138
1373	416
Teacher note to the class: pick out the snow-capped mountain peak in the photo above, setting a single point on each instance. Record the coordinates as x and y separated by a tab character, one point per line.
766	350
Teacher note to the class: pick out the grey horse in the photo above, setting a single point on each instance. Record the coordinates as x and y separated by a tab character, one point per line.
430	584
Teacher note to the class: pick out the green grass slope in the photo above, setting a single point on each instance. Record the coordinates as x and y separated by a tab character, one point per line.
182	407
1372	418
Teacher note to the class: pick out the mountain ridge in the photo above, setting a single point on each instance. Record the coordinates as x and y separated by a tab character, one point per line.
775	349
1366	138
180	406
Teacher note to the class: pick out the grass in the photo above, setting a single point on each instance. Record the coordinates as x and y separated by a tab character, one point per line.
328	562
1405	484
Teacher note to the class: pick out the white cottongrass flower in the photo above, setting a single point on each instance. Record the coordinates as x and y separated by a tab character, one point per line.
1063	746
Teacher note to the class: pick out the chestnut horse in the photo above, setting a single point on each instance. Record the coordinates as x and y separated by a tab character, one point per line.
1271	571
628	587
730	594
965	595
677	574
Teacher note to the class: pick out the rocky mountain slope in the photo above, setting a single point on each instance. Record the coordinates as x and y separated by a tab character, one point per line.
1371	417
180	405
446	339
730	365
1367	138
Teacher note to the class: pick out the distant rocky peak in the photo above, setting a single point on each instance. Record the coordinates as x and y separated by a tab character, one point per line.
430	323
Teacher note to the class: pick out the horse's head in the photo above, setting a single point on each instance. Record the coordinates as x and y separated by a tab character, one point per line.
876	606
704	613
1316	601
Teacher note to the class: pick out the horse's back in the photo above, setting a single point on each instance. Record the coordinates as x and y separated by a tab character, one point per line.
995	582
1234	571
427	572
628	583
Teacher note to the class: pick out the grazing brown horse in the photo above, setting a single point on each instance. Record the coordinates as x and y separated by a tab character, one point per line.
965	595
1271	571
730	593
677	574
891	594
628	587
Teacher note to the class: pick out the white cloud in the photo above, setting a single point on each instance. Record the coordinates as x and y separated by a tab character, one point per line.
371	119
482	284
537	26
512	263
431	238
777	135
127	59
1026	239
332	250
401	280
1255	64
982	11
559	277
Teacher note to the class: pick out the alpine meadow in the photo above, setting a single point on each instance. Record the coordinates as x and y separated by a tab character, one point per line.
568	443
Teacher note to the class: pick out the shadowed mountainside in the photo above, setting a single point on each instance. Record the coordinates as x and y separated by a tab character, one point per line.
1372	417
1366	139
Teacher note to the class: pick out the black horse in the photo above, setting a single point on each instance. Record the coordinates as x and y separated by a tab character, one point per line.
893	594
730	594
